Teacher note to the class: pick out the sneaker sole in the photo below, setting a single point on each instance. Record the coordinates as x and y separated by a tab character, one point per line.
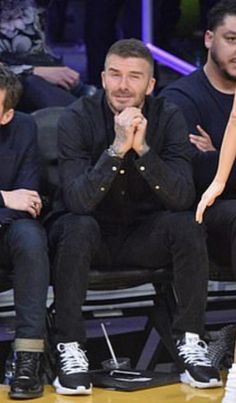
185	377
18	395
80	390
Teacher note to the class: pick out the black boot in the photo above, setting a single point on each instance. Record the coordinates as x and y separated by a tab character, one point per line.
27	382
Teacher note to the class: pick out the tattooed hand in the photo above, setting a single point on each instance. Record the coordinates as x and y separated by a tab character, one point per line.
126	125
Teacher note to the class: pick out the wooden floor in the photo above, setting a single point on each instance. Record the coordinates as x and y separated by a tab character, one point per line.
177	393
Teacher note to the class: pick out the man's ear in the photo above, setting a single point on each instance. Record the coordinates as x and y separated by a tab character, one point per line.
208	38
7	117
103	79
151	86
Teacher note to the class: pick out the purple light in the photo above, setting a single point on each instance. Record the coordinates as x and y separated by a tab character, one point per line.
147	28
159	54
170	60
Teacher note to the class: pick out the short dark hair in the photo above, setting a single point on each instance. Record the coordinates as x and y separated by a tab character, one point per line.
12	85
131	48
218	13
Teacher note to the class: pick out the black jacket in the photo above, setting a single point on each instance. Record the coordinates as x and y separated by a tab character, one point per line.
117	190
19	162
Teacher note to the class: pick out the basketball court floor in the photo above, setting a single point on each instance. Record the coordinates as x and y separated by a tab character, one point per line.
177	393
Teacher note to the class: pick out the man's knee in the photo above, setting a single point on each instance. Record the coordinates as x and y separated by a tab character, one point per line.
185	221
79	229
27	234
182	226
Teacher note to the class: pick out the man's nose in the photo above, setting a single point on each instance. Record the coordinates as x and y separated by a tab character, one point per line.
123	82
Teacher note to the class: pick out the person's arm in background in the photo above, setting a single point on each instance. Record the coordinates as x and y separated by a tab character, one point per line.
63	76
57	74
226	160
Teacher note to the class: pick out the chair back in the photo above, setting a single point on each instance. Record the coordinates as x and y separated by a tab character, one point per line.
47	125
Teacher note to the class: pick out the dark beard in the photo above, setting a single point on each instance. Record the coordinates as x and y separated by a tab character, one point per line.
222	70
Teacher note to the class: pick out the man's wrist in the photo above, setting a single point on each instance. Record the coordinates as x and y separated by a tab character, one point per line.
113	152
143	150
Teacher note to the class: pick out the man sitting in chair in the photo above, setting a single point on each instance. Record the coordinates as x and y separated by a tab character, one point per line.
23	245
126	187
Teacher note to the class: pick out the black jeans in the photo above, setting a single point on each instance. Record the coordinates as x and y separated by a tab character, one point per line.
77	242
23	249
220	221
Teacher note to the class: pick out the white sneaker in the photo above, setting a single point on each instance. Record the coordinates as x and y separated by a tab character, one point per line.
193	354
73	376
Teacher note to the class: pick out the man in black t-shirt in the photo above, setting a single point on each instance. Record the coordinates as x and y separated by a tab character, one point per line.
205	97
